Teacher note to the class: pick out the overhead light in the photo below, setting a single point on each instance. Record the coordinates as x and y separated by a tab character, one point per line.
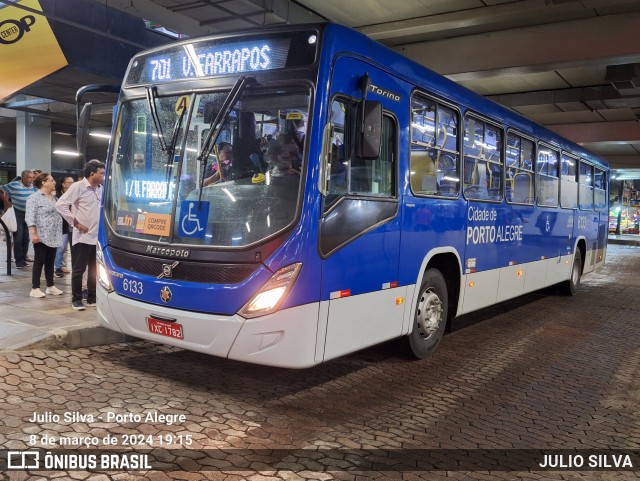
59	132
66	152
100	135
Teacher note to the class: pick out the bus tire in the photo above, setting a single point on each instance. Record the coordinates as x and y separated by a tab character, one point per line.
570	287
430	315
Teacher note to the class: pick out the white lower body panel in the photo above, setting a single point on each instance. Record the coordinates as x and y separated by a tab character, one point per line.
364	320
483	289
535	276
594	259
558	269
286	338
600	259
511	283
480	290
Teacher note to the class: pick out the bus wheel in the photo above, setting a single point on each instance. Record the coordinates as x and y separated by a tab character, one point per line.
570	287
430	316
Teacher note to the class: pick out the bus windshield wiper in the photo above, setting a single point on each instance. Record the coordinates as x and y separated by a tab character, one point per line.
152	94
172	147
216	124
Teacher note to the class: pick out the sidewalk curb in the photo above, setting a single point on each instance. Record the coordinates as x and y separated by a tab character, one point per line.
76	338
626	242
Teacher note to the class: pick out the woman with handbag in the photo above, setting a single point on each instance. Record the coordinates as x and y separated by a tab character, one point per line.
45	226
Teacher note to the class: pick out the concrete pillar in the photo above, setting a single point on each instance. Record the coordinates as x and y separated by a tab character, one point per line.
33	142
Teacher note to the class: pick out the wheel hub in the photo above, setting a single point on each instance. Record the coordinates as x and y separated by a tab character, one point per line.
575	274
429	314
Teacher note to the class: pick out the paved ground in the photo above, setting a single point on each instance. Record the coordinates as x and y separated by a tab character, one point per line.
519	381
52	323
49	322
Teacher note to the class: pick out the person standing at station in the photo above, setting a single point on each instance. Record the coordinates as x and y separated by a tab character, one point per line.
20	190
80	207
60	270
45	226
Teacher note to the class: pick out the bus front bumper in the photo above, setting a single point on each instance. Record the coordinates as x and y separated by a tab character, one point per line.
286	338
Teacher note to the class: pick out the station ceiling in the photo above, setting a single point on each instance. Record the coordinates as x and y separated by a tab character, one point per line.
571	65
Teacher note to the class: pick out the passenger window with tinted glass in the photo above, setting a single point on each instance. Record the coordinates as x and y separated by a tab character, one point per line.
350	175
434	148
600	191
547	170
586	186
519	175
568	182
482	160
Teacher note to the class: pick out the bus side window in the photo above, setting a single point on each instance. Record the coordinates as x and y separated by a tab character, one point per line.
337	185
547	174
585	189
568	182
600	192
519	165
351	175
434	155
375	177
483	162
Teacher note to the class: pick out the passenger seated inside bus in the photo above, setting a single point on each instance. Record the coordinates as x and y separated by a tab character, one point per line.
214	173
280	159
292	145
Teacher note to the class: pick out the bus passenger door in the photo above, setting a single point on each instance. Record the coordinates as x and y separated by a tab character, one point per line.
359	240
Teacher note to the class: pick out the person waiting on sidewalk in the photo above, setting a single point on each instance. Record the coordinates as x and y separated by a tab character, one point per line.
80	207
60	270
20	190
45	226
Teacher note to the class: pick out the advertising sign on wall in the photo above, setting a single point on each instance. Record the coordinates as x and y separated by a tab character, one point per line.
28	48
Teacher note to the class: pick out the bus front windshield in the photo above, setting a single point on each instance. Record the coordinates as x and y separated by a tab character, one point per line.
166	185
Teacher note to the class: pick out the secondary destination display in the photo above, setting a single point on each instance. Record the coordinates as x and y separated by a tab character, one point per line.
207	58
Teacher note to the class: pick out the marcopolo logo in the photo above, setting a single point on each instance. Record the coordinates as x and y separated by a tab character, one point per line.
12	30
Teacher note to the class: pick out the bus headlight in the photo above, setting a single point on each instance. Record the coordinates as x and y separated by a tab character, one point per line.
102	274
269	298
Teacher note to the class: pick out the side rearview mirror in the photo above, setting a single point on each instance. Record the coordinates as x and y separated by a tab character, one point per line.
369	133
83	114
82	128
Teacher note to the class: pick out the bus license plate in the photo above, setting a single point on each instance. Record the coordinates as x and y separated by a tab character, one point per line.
164	328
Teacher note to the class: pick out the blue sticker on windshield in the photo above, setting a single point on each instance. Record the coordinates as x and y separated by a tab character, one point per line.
194	216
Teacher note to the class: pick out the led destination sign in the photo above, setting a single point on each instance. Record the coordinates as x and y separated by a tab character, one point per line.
209	58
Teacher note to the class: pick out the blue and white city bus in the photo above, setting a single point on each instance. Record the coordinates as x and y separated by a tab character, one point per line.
302	192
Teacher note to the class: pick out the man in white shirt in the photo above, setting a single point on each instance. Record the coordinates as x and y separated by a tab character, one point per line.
80	207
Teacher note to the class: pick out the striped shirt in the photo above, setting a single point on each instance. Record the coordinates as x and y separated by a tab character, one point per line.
19	194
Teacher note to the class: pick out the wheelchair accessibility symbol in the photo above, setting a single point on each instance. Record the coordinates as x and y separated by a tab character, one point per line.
193	221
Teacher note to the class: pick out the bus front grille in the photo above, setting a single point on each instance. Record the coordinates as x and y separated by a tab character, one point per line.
203	272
